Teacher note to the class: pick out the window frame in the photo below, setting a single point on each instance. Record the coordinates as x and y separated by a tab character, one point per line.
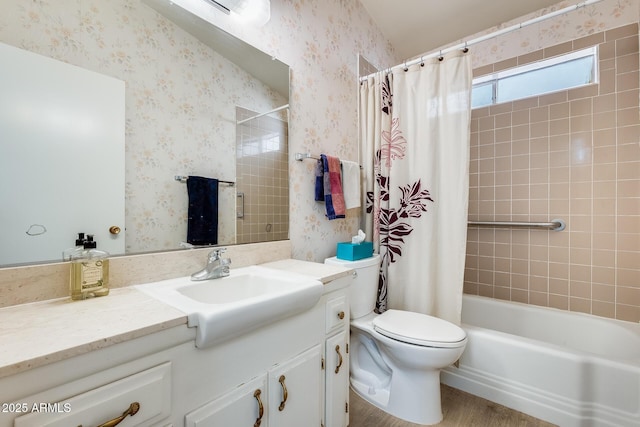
495	77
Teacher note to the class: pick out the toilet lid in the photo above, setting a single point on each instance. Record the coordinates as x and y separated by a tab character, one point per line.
419	329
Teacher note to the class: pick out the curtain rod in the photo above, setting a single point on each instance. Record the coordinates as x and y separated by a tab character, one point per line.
466	44
239	122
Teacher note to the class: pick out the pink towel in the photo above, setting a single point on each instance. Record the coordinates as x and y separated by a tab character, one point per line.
333	196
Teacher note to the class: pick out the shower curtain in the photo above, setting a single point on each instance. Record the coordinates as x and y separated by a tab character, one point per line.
414	127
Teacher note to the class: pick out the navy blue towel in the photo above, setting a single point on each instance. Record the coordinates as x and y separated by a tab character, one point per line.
202	222
319	187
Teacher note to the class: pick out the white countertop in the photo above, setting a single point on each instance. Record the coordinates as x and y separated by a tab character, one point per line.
39	333
323	272
36	334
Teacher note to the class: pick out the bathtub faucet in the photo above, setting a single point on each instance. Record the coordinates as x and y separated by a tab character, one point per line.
216	267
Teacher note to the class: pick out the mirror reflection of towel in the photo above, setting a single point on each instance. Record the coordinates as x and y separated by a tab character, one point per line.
202	222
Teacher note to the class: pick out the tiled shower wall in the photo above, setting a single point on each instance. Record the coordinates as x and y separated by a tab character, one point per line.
262	178
573	155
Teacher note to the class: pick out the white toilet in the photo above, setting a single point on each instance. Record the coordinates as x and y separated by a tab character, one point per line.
396	356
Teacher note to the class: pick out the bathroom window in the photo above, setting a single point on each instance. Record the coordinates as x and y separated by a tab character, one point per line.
563	72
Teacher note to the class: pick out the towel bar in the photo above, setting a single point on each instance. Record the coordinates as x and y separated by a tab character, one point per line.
301	156
183	179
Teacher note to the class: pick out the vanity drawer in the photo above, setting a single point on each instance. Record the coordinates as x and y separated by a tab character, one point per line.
337	313
150	389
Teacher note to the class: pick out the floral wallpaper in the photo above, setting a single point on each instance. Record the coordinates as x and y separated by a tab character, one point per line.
171	98
585	21
319	39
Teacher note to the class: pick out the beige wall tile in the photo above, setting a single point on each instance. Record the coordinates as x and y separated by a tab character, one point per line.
628	242
539	298
559	127
627	63
626	46
625	83
572	154
559	301
629	134
628	296
530	57
519	295
628	277
581	305
558	49
603	309
621	32
607	81
588	41
604	103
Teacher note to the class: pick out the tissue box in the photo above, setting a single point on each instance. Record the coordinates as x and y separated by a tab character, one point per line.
354	251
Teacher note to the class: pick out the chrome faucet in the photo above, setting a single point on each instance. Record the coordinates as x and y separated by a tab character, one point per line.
216	266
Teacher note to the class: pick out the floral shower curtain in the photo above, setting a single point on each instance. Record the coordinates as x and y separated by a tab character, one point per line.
415	139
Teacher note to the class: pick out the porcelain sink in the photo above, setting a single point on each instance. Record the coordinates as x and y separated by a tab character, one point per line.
249	298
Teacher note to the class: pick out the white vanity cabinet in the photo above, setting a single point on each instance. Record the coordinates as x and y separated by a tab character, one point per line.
295	391
336	354
135	377
292	372
144	398
242	406
289	395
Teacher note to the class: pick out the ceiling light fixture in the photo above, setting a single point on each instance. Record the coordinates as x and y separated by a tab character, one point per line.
257	12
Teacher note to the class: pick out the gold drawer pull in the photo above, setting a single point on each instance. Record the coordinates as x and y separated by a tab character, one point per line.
132	410
339	359
256	394
341	315
285	393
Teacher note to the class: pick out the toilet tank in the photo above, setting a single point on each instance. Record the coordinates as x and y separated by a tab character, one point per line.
364	289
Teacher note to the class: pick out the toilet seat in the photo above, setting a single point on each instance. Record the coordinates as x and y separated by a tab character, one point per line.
419	329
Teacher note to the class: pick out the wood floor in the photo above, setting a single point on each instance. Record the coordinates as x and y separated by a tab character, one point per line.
459	409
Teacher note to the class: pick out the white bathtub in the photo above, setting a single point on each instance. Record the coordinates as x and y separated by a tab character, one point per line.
566	368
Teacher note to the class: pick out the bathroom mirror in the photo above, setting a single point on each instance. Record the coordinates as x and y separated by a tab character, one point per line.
187	83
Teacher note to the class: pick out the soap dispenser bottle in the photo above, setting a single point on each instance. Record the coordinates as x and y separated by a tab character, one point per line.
67	253
89	271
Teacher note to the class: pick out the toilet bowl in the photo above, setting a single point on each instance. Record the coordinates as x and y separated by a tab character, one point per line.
396	356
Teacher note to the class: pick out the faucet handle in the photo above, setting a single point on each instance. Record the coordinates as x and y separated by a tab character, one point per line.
215	254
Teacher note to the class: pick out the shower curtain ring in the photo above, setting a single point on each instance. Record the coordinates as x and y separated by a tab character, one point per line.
465	49
440	58
422	61
405	66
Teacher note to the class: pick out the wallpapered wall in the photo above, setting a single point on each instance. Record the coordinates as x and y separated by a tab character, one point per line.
318	39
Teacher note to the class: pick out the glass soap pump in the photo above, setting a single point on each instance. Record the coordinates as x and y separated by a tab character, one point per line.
67	253
89	271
